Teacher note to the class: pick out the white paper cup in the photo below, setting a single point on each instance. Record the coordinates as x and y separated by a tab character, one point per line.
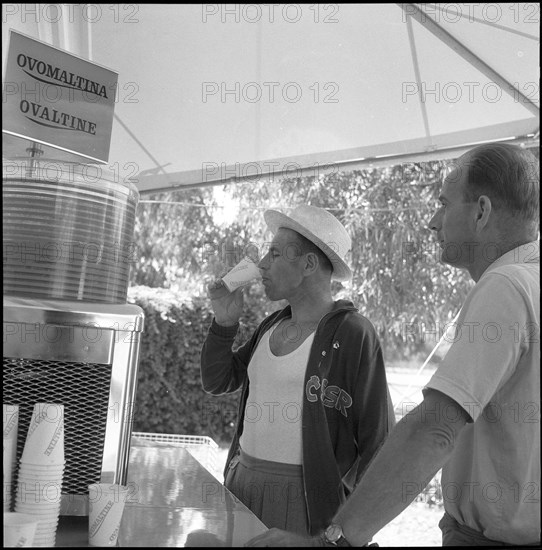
39	512
19	529
243	273
47	540
29	471
7	493
10	417
39	492
106	505
56	469
10	451
45	439
10	414
47	526
40	476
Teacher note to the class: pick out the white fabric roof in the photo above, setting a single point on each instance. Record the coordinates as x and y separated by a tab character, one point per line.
210	93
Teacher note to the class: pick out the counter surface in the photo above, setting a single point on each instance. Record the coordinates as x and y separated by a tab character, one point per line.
173	501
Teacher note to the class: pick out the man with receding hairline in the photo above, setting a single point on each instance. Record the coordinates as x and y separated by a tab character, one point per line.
479	420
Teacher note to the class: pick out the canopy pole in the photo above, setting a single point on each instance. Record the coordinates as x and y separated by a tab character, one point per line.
433	27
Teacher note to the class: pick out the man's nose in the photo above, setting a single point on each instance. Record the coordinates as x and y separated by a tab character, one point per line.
434	222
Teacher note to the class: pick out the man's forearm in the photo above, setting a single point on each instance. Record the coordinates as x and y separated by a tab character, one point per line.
413	453
217	365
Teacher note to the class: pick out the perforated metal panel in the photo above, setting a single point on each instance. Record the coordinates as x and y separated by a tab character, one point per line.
83	389
84	357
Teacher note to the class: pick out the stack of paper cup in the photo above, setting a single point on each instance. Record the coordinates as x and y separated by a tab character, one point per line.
19	530
11	421
41	469
243	273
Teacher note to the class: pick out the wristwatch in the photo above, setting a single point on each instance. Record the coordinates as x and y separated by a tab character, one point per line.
334	535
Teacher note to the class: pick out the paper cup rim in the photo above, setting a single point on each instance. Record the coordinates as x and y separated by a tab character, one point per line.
22	515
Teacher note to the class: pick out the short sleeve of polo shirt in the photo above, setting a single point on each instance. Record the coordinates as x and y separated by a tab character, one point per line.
489	337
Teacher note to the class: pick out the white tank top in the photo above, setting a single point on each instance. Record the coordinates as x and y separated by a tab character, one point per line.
272	422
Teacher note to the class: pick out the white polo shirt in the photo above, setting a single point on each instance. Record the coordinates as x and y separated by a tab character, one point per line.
492	481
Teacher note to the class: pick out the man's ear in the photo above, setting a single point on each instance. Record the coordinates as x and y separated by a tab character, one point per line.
311	263
483	211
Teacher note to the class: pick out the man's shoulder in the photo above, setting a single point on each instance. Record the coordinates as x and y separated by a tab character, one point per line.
519	261
353	320
503	278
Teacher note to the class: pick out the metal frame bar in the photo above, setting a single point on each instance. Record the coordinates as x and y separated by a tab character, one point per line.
412	10
523	132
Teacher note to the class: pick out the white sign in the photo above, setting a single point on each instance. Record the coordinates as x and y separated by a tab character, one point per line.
58	99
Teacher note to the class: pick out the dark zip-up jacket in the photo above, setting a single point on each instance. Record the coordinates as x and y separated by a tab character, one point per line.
347	410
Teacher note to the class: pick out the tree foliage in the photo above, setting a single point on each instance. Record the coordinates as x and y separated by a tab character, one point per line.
170	397
399	283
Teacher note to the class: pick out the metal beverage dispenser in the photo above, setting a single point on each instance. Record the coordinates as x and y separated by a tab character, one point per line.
69	335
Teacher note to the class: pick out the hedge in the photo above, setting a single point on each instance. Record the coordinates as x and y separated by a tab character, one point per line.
170	397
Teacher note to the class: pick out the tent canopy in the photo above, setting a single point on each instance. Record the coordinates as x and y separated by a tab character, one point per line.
211	93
